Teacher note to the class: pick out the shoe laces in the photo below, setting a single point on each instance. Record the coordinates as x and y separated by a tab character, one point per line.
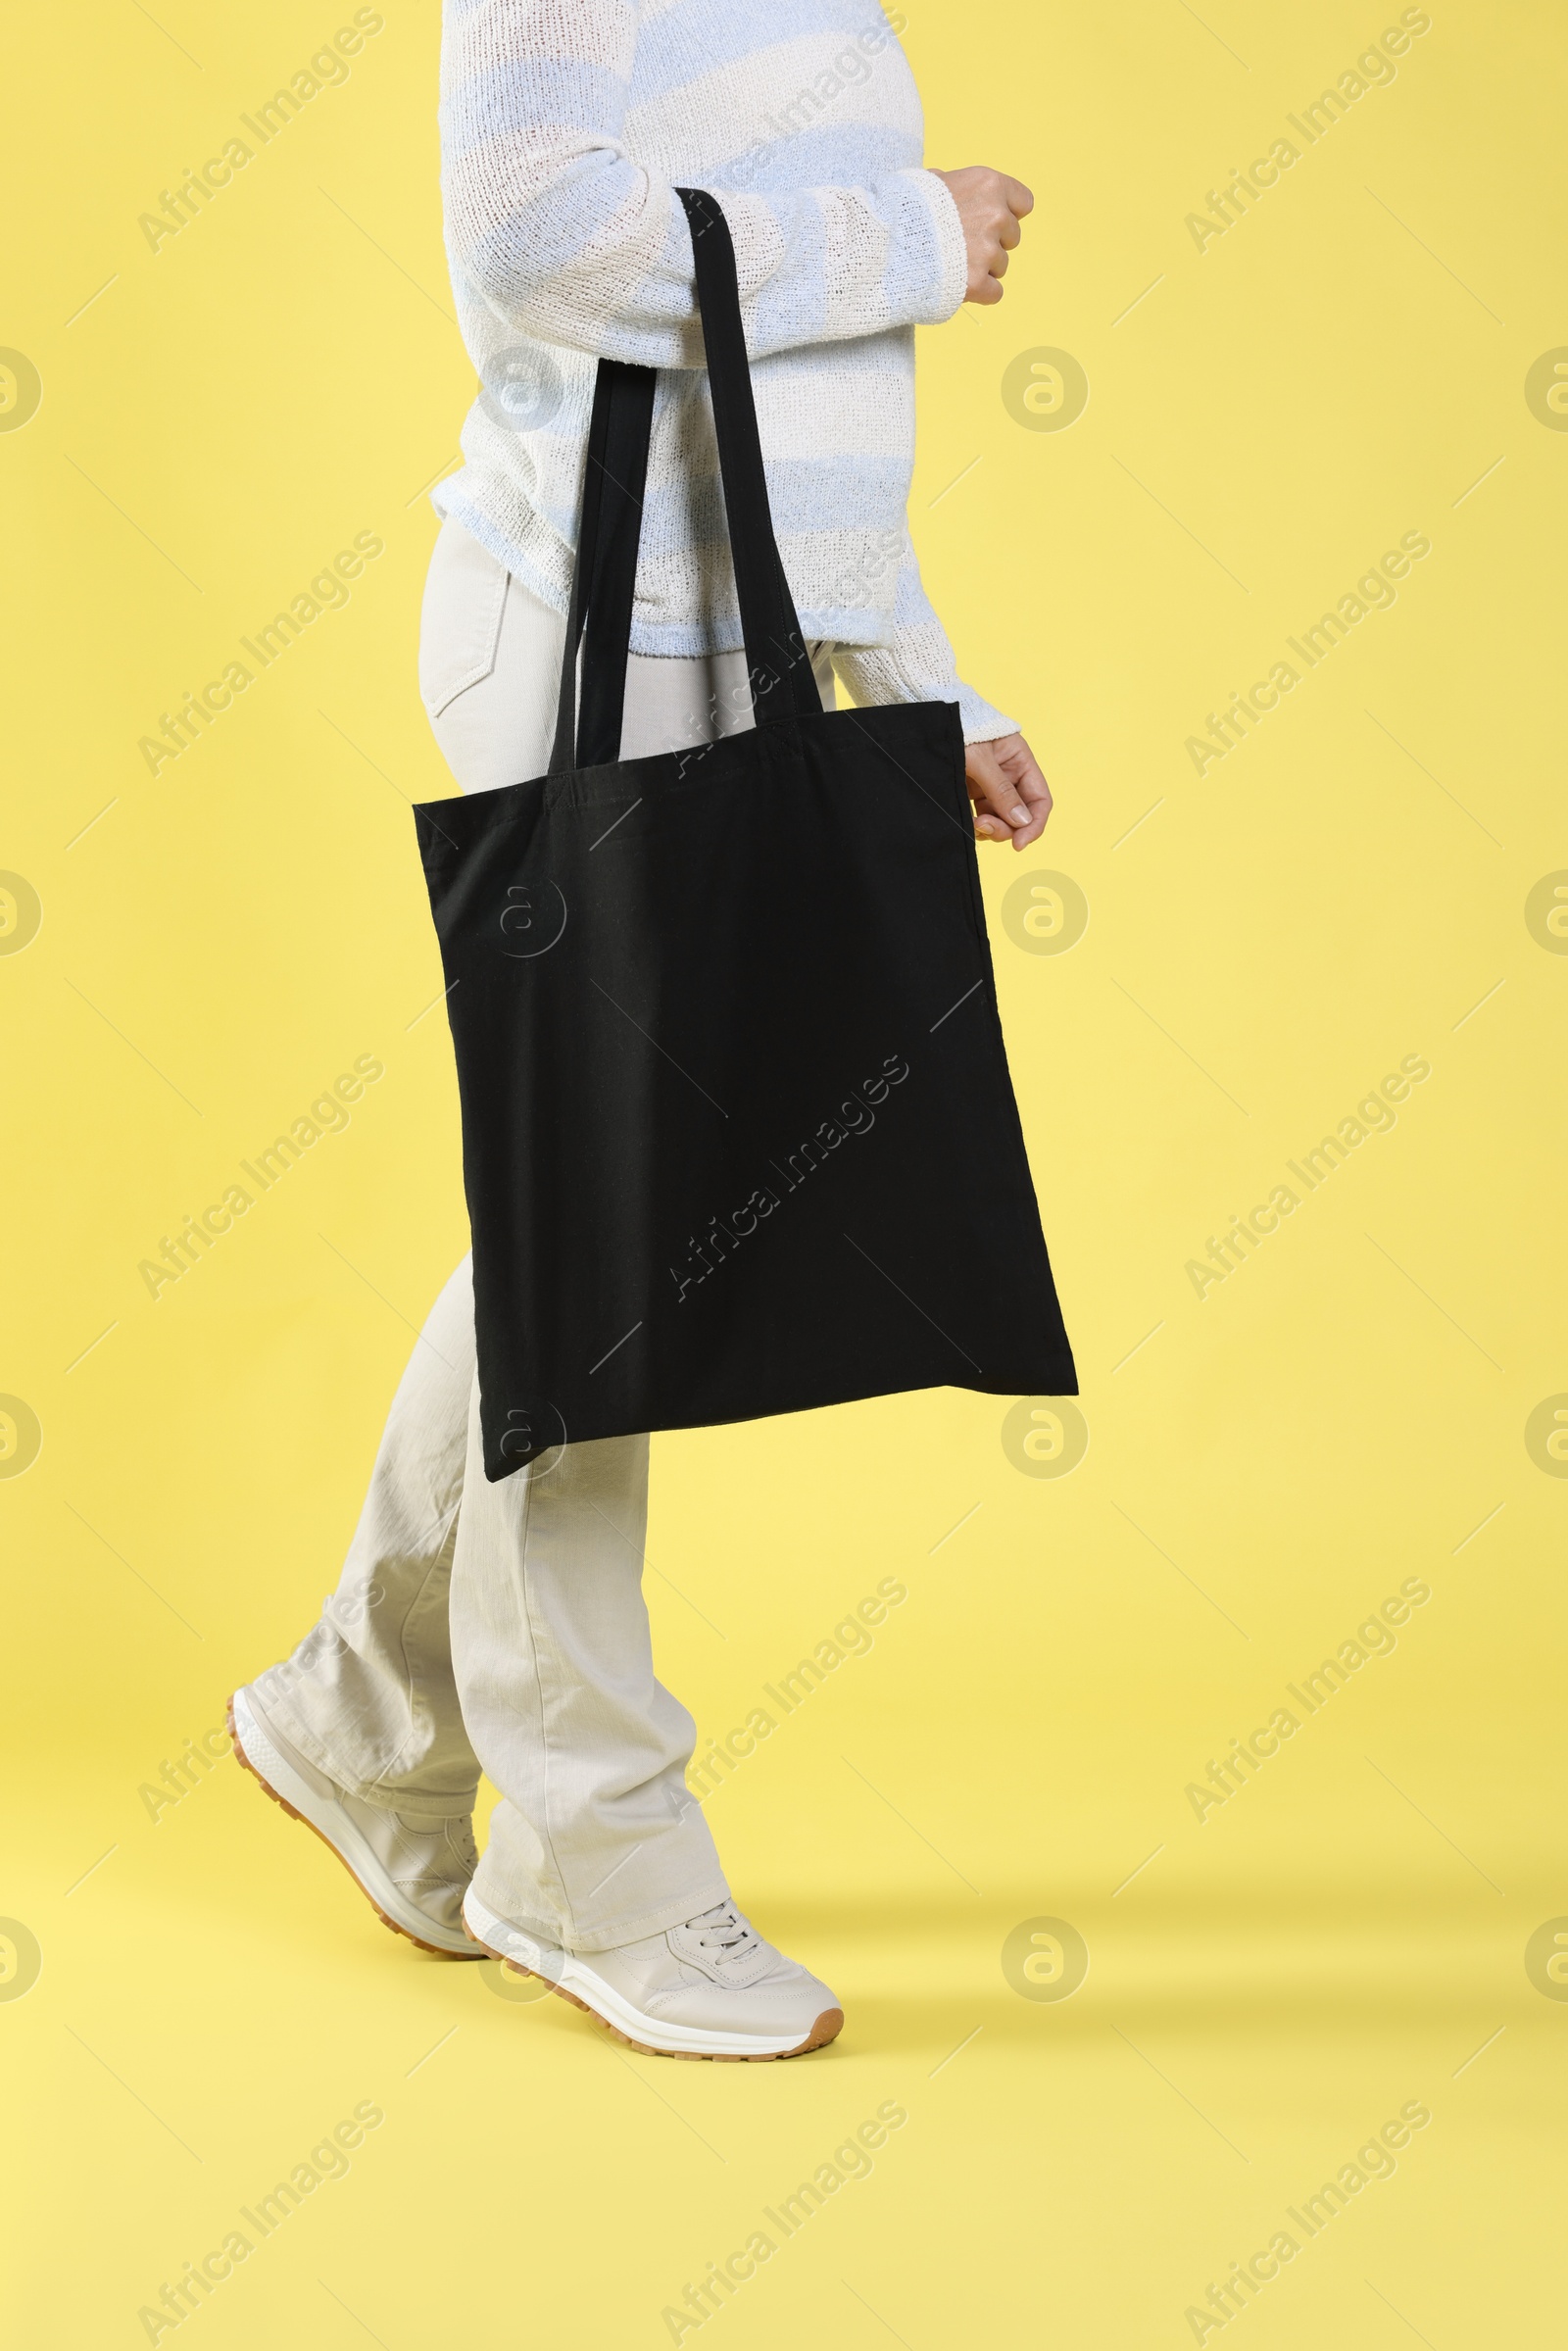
724	1932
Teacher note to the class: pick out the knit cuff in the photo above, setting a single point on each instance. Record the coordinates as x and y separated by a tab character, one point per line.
954	265
981	724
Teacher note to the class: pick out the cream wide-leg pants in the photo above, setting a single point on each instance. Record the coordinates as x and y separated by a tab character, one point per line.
501	1628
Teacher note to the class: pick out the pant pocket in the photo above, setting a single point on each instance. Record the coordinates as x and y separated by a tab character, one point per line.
459	624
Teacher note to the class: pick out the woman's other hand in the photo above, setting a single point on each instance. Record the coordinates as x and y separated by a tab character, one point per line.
991	205
1011	798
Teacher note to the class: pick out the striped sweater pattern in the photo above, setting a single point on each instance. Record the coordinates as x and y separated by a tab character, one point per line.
566	128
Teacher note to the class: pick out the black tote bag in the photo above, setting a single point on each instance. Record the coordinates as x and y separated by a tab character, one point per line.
738	1133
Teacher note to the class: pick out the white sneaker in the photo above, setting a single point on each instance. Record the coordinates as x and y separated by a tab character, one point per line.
710	1988
414	1865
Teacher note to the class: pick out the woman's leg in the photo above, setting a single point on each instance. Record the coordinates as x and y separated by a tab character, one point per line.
595	1840
368	1695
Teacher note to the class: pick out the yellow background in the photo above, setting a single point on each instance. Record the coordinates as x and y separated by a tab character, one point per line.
1344	1412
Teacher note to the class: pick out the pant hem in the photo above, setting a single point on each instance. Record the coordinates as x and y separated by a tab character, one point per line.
281	1720
674	1911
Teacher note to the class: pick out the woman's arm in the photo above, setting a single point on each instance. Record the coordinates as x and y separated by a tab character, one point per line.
566	238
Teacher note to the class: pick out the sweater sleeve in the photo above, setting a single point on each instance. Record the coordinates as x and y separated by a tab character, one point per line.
562	235
918	665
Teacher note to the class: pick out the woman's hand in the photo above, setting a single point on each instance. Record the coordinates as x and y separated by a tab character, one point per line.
1011	798
991	207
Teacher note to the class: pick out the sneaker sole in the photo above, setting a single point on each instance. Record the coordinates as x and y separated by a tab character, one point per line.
625	2024
379	1894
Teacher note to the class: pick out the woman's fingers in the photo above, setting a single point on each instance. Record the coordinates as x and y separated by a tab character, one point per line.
1018	763
1000	806
991	204
1012	797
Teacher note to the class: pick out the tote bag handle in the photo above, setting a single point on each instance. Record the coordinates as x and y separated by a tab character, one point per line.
615	477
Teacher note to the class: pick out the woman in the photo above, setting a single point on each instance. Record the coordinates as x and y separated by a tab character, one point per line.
502	1627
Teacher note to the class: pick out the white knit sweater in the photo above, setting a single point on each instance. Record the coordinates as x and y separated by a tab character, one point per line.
566	127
